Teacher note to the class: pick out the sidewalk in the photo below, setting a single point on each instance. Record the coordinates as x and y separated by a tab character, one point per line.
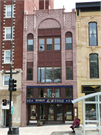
47	130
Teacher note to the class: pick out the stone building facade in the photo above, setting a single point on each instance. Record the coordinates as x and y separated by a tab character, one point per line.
5	46
88	35
49	67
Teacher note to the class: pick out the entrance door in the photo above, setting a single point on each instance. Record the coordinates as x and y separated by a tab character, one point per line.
55	112
33	112
68	112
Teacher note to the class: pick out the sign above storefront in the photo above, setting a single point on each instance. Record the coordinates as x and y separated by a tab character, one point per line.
49	100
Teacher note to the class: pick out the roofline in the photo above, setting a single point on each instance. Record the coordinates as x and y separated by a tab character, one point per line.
88	4
85	97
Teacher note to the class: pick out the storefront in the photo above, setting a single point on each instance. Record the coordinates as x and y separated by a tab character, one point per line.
53	109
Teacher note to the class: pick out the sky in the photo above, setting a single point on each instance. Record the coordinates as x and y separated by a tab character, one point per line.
68	4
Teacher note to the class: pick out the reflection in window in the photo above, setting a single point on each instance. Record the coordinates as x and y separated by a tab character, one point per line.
7	56
41	44
94	73
69	92
50	112
59	111
49	44
49	93
68	43
30	44
41	92
49	74
57	93
56	43
91	113
93	34
69	112
57	74
6	79
69	75
41	74
42	111
29	93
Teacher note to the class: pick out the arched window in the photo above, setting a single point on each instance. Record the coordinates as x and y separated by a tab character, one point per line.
93	34
68	36
94	66
30	42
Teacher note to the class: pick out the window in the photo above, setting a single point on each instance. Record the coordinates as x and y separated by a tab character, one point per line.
41	92
8	11
69	92
57	74
41	4
56	43
29	93
49	93
29	70
69	70
93	34
7	56
57	93
46	4
49	44
68	41
41	44
8	33
94	71
6	80
41	74
30	42
49	74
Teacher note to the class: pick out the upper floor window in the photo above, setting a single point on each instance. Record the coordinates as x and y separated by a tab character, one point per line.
6	80
7	56
29	70
8	11
49	44
41	4
69	70
69	92
93	34
68	41
29	93
30	42
49	74
94	66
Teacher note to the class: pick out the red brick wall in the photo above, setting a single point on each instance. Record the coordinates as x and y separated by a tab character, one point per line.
18	34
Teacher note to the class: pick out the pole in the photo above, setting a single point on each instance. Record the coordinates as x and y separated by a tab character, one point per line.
10	115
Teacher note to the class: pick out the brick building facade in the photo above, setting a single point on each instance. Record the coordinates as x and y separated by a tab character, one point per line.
5	46
49	67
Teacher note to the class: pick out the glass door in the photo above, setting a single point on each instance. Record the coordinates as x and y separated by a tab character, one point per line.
69	112
51	112
59	112
33	113
42	111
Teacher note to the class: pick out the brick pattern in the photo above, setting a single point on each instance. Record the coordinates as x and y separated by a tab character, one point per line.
49	23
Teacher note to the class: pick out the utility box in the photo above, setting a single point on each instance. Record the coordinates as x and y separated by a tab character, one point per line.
15	130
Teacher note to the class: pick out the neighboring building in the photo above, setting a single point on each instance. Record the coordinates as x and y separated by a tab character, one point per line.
5	46
88	40
49	67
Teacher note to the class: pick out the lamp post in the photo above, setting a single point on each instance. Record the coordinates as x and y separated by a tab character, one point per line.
10	115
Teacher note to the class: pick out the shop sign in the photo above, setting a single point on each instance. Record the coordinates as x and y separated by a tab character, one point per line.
49	100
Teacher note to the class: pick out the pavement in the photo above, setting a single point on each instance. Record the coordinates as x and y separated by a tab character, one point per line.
47	130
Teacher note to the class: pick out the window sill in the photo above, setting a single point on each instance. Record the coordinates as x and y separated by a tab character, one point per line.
7	39
5	63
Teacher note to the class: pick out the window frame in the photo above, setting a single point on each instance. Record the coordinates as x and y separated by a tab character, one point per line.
10	11
10	33
4	80
5	56
93	66
93	34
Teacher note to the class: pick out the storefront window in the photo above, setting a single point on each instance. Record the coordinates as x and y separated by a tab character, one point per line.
69	92
69	109
49	93
29	93
50	112
33	112
41	92
59	111
91	111
57	93
42	111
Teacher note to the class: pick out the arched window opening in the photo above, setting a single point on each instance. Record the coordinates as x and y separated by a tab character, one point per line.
30	42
